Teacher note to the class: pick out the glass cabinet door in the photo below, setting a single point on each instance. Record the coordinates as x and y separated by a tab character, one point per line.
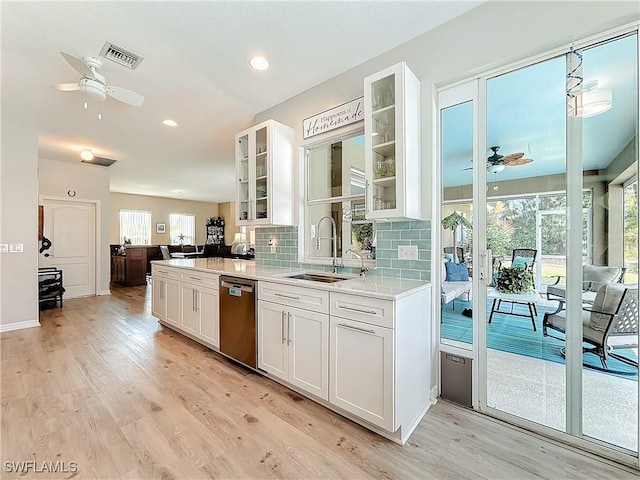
383	143
261	193
242	154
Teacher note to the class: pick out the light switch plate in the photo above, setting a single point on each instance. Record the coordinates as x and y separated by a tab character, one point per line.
407	252
4	248
15	247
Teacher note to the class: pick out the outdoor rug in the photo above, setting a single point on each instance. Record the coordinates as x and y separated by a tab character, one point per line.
515	335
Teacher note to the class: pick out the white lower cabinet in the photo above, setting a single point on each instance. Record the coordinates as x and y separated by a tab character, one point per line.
293	345
190	305
200	316
362	371
166	300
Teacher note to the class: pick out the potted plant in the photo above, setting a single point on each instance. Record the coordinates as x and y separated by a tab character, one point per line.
453	221
514	280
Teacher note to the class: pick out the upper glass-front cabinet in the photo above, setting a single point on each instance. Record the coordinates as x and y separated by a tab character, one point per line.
392	143
264	170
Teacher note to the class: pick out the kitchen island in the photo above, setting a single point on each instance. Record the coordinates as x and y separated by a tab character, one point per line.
360	346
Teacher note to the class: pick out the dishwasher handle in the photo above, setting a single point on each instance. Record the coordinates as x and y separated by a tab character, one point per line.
229	283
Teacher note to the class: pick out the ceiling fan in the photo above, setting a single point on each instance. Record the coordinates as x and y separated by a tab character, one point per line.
93	85
497	163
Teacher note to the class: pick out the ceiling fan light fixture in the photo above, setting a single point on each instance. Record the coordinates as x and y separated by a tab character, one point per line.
590	103
86	154
495	168
170	123
258	62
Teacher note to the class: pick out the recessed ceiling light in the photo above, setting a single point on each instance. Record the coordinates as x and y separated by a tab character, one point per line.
259	63
170	123
86	154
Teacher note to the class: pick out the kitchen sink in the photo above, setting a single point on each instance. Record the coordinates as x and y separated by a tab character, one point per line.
318	278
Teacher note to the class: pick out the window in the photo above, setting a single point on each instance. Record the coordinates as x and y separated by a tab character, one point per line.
182	228
135	227
336	188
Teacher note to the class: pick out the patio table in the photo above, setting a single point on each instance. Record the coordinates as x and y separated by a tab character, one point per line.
529	299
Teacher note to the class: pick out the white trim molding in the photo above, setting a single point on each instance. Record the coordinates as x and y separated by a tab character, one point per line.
9	327
104	292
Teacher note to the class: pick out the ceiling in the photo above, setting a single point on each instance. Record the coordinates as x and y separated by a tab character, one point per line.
526	112
195	71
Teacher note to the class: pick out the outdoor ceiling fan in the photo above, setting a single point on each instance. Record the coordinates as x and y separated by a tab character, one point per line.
93	84
497	163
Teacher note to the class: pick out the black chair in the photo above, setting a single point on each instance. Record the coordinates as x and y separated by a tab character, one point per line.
523	258
456	252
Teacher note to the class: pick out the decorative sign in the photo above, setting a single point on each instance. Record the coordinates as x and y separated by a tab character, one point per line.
336	117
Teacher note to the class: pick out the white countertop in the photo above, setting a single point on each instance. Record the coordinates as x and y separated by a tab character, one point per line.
371	285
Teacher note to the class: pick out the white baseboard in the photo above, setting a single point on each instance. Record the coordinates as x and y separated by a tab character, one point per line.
8	327
104	292
434	395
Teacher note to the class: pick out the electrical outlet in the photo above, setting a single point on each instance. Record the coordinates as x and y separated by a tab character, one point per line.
273	249
15	247
4	248
407	252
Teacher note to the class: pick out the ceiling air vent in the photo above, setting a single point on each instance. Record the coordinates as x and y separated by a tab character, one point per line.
121	55
102	161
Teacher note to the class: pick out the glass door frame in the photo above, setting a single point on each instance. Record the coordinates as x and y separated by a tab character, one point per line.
475	90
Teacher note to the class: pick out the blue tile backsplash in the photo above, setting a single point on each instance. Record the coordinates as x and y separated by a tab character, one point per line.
388	234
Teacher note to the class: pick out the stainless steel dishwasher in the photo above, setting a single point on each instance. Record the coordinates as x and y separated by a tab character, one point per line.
238	320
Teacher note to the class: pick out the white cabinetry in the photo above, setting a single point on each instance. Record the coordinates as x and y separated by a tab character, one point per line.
264	173
392	143
379	359
293	342
188	301
166	295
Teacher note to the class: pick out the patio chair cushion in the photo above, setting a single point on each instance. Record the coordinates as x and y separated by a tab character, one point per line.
449	257
521	262
456	272
593	276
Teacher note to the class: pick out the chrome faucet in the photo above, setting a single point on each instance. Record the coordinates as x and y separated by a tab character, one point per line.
334	235
363	269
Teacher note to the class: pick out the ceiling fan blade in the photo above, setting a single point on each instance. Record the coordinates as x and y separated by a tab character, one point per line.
516	162
67	87
125	95
513	156
80	65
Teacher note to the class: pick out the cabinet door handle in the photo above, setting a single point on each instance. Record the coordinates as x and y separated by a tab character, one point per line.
195	296
357	328
196	278
345	307
163	271
288	328
284	335
161	285
366	195
286	296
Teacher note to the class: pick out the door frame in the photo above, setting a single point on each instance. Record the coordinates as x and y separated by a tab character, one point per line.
97	205
574	264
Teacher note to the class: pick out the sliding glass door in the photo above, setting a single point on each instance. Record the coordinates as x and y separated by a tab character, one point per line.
538	171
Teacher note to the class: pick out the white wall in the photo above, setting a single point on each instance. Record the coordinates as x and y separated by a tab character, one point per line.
90	182
160	209
19	224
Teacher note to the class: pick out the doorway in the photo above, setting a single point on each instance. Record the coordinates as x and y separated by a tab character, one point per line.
534	170
70	226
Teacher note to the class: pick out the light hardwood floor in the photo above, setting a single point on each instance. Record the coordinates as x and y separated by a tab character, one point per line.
102	384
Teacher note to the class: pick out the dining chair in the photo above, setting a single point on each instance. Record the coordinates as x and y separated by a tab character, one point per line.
165	252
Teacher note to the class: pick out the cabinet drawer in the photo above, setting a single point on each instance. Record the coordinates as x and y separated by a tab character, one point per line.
167	272
301	297
364	309
200	278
